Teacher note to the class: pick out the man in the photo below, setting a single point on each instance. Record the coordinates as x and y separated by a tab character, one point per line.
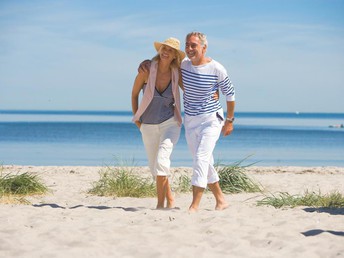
204	119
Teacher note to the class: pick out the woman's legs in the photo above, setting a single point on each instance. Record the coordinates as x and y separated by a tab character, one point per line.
164	192
161	191
159	141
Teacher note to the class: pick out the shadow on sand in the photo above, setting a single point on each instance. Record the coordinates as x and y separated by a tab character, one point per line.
100	207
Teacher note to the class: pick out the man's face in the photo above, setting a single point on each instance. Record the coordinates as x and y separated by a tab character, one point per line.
194	50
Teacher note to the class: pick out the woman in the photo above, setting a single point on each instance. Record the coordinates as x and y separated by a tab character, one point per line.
158	116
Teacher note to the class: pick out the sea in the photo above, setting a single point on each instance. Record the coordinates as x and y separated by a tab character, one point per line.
107	138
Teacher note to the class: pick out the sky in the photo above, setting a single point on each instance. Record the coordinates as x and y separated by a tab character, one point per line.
281	55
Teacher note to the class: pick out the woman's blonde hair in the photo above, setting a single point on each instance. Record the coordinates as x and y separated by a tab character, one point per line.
175	62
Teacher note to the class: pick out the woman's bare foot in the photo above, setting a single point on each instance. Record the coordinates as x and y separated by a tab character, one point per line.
170	204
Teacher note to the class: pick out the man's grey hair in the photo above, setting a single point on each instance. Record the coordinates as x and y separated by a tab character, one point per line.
202	37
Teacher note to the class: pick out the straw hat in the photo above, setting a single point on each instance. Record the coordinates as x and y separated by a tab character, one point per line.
173	43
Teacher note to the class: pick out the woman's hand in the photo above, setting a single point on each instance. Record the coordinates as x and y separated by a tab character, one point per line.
216	95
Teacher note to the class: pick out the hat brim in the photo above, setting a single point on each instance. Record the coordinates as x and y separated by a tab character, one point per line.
157	46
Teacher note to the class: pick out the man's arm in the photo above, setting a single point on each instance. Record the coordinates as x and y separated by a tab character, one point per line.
144	66
228	126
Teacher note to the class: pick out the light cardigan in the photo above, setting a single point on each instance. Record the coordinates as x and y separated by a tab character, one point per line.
149	93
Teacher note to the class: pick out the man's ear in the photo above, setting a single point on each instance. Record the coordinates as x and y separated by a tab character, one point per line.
205	49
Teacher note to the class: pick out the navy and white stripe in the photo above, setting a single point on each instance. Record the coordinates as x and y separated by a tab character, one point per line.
200	84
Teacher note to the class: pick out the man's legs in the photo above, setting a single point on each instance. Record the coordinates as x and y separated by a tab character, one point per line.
221	203
201	134
197	193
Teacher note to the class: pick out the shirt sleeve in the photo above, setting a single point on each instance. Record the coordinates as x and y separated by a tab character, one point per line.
225	84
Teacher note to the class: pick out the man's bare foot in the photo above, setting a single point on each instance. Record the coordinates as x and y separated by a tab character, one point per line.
193	209
221	206
159	207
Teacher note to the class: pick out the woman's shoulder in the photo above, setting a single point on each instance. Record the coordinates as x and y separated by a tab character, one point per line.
142	76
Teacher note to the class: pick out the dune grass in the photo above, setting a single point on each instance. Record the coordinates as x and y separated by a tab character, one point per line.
122	182
234	180
183	185
309	199
13	188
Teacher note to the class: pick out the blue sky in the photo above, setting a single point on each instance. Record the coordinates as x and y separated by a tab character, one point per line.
281	55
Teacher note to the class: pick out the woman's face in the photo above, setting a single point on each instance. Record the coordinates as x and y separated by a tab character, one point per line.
167	53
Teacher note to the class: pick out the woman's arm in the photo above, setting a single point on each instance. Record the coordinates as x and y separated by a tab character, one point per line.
140	80
180	80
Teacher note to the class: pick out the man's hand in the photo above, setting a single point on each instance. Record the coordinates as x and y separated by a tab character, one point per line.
144	66
227	129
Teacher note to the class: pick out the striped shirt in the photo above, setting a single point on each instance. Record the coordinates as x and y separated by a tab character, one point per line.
200	84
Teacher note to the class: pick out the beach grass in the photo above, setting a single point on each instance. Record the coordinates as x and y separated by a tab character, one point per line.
122	182
234	180
309	199
183	184
13	188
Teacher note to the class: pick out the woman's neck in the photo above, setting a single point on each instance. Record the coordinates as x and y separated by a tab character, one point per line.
163	68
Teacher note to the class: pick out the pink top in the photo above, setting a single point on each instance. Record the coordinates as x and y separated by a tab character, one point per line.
149	93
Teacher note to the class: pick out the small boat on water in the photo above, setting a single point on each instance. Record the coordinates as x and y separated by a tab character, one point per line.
337	126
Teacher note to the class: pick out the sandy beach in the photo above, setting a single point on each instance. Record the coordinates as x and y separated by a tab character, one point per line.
69	222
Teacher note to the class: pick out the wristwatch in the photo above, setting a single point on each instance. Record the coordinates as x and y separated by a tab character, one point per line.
230	120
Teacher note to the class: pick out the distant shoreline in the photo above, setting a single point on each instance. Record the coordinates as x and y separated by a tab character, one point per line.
128	112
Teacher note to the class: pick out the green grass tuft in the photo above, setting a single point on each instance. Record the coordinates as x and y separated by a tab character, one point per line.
122	182
13	188
183	185
21	185
283	199
234	180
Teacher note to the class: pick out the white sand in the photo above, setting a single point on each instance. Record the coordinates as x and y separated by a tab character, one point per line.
68	222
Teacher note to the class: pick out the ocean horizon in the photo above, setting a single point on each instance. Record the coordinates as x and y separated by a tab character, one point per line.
98	138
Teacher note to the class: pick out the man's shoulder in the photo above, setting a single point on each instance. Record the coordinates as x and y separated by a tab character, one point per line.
216	63
218	66
185	62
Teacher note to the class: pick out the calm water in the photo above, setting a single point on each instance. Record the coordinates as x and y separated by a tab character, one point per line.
98	138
